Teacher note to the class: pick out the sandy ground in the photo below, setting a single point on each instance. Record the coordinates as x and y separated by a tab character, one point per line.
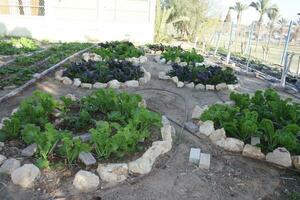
230	176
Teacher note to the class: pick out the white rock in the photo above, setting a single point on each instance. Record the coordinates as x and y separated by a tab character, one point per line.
233	87
165	120
217	135
91	56
200	87
67	81
132	83
143	59
198	111
76	82
163	61
9	166
143	104
210	87
169	62
280	156
231	144
71	96
30	150
86	85
166	133
183	64
142	81
87	158
204	161
25	175
207	128
98	85
113	173
147	76
255	140
194	155
175	79
59	74
253	152
114	84
2	159
177	60
86	181
221	86
143	165
180	84
296	162
190	85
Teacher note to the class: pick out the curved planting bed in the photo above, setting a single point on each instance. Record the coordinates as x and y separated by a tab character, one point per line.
94	72
266	123
113	127
201	77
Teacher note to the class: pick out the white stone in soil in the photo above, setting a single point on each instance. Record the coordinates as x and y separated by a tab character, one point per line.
210	87
76	82
113	173
218	134
280	156
169	62
296	162
180	84
114	84
132	83
163	61
175	79
71	96
177	60
143	104
165	120
142	81
25	175
9	166
98	85
198	111
67	81
194	155
204	161
2	159
200	87
207	128
143	59
253	152
87	158
190	85
166	133
143	165
30	150
231	144
255	140
86	181
36	75
183	64
86	85
147	76
59	74
91	56
233	87
221	86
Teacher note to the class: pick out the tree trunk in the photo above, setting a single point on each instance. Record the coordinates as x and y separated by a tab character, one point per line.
258	34
21	8
268	43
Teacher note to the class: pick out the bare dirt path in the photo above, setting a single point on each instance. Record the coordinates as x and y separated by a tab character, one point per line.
230	176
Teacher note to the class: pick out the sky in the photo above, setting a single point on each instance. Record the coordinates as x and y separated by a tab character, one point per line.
288	9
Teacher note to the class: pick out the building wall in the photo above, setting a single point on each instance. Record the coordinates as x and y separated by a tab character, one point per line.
78	20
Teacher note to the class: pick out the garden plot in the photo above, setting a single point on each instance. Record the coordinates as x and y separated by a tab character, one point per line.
230	176
114	65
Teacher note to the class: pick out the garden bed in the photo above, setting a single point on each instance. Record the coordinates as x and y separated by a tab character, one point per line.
17	45
92	71
120	128
265	123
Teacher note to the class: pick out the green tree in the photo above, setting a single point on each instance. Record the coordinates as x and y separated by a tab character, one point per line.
262	7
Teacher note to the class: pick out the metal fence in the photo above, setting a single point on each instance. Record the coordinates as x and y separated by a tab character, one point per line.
22	7
264	44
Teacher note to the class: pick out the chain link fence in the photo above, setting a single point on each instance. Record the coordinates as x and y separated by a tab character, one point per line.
22	7
262	44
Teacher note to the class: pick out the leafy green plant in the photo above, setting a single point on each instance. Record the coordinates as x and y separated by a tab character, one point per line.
191	57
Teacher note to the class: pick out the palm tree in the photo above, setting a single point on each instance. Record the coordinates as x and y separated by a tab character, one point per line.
228	15
273	15
263	7
282	22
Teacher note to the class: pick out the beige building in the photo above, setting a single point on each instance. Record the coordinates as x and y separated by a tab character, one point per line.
79	20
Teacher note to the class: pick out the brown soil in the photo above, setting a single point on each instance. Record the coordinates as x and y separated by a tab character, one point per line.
230	176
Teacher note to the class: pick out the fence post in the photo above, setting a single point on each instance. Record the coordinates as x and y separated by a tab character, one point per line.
286	46
218	40
249	39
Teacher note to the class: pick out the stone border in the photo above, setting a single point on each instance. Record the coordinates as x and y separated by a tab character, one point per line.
37	77
85	181
180	84
279	156
114	84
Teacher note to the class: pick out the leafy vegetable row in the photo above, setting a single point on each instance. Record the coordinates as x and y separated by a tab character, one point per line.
17	46
117	124
23	68
190	57
204	75
266	115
